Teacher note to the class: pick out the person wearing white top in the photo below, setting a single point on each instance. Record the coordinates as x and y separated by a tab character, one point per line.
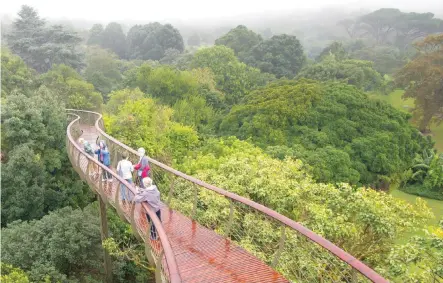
125	169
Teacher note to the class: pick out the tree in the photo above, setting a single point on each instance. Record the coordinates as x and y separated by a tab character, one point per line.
169	84
15	75
150	42
240	39
354	72
364	222
386	59
420	260
114	39
63	244
72	89
194	40
33	144
282	55
96	35
42	47
144	123
118	98
12	274
371	137
234	78
337	49
389	25
423	78
102	70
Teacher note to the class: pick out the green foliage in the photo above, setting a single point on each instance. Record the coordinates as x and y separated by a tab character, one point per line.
12	274
40	46
421	260
150	42
102	70
240	39
337	49
281	55
113	38
95	35
72	89
194	112
370	137
144	123
406	27
15	75
63	243
354	72
364	222
426	175
168	84
234	78
386	59
119	97
33	141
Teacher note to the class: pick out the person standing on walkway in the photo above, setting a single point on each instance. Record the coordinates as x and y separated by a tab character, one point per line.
142	167
88	149
125	169
104	157
150	194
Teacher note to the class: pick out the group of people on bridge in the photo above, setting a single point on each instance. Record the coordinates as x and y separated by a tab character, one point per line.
146	190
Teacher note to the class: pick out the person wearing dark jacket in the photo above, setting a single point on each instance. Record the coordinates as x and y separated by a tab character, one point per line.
104	158
142	167
150	194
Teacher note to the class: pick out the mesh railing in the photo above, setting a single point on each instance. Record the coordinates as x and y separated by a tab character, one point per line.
297	253
159	252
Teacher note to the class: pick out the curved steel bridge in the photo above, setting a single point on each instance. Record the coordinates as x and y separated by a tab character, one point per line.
246	242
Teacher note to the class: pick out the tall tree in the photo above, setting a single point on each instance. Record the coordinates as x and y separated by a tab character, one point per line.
234	78
239	39
40	46
354	72
102	69
423	78
70	88
33	143
337	49
326	122
95	35
150	42
282	55
114	39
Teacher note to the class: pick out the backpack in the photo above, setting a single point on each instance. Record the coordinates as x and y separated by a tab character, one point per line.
88	149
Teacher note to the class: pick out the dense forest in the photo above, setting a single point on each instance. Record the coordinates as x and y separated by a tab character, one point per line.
298	122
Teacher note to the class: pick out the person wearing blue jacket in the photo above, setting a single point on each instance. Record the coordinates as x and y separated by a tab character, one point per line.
104	158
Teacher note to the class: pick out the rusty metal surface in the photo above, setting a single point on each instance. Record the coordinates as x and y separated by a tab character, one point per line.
206	249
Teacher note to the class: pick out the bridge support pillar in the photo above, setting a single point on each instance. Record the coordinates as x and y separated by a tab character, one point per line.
104	236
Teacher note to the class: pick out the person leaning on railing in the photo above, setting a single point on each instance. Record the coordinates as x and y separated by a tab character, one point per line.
142	167
151	194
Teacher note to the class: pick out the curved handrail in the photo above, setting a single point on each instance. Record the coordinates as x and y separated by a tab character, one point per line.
324	243
173	271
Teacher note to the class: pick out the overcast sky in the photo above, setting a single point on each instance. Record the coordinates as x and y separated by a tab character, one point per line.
191	10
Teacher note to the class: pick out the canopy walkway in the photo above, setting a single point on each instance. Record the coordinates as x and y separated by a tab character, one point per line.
236	246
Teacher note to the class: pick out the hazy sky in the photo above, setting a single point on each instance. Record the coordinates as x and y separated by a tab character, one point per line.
101	10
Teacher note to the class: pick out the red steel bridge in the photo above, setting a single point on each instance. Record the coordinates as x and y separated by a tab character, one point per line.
243	242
